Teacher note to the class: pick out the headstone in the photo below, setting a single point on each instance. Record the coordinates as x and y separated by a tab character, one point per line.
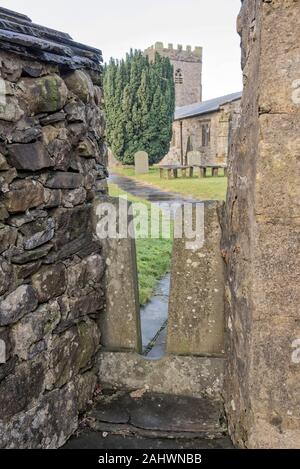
141	161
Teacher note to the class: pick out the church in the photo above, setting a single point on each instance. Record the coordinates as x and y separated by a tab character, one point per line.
202	130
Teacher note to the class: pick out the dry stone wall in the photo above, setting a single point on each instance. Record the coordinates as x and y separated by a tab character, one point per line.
52	161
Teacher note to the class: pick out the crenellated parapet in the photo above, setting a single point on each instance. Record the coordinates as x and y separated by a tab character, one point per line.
179	52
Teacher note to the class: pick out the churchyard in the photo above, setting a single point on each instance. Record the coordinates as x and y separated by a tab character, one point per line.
210	188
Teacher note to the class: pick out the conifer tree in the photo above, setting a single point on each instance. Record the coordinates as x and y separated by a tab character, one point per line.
139	102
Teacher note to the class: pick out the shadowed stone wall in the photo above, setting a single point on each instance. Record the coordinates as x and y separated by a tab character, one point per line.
261	236
52	158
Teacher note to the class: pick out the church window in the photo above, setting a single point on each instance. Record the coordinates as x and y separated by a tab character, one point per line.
205	135
178	77
173	138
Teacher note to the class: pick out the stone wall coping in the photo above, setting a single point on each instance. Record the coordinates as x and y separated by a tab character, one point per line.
19	35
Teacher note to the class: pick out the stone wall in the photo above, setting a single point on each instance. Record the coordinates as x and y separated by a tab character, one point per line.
261	235
222	124
52	157
189	62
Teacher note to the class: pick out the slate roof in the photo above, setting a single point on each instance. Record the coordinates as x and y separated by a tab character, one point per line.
19	35
205	107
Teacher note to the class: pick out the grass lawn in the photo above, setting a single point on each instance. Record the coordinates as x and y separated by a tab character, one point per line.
153	255
204	189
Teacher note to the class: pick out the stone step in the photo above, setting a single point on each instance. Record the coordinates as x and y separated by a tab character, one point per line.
95	440
158	416
143	420
174	375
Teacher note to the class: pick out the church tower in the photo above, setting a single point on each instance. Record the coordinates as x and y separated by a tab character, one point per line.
187	65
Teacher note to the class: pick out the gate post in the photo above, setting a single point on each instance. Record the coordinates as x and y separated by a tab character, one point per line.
120	323
196	305
261	234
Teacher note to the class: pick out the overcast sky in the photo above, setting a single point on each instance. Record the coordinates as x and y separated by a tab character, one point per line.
114	26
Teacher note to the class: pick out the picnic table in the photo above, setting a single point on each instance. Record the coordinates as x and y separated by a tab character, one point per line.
173	171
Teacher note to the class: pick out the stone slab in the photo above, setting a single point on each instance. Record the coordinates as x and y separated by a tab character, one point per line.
163	418
96	440
120	323
196	306
171	413
187	376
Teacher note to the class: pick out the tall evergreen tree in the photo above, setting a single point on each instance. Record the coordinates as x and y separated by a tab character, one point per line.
140	103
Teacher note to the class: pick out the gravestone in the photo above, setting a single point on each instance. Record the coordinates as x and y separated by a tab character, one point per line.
141	161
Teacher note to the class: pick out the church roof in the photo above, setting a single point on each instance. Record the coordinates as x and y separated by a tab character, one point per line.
205	107
19	35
